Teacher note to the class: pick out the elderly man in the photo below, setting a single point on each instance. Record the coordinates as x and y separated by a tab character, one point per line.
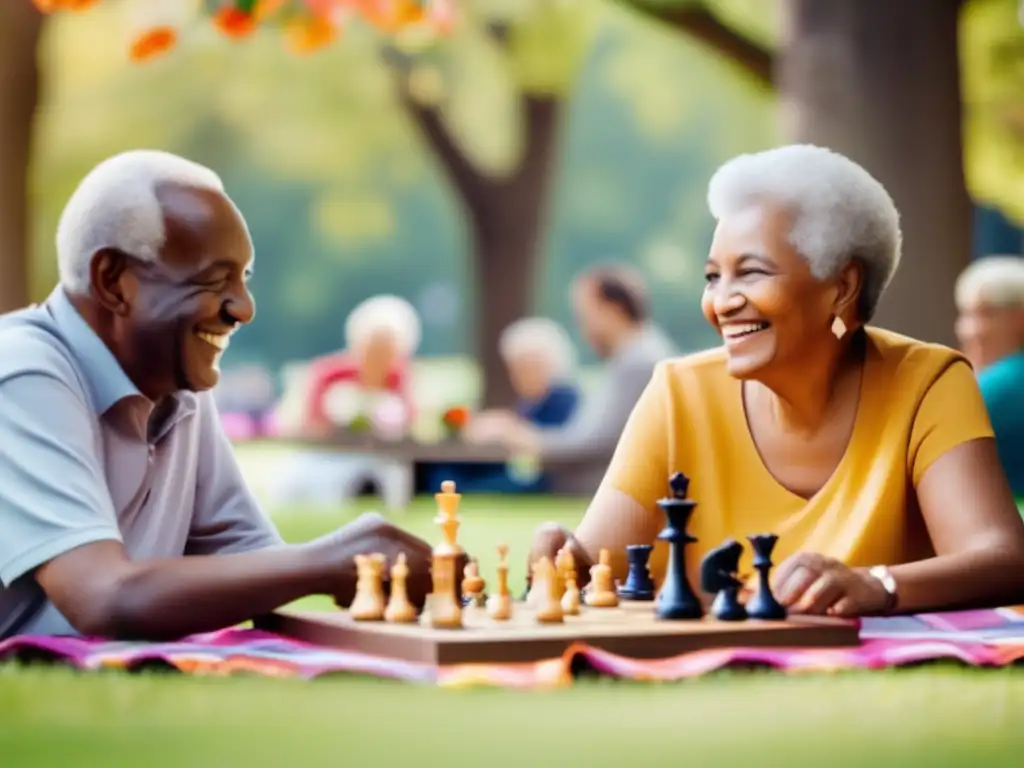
612	310
122	509
990	326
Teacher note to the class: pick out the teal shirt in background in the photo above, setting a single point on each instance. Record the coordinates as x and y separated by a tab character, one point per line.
1002	387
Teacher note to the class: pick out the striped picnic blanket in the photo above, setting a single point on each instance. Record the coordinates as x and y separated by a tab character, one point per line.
977	638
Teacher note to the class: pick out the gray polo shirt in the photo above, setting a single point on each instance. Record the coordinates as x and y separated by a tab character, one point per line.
84	458
577	454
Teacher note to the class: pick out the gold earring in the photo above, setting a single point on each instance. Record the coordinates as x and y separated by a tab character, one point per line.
838	328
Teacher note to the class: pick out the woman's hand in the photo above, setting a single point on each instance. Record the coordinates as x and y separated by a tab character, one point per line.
814	584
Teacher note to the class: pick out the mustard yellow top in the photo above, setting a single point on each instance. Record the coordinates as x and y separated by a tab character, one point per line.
917	401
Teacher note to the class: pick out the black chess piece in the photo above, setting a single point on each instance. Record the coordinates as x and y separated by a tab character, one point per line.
763	604
639	585
677	600
718	577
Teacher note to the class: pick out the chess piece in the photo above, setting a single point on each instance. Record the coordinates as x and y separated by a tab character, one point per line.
763	605
444	604
639	585
565	564
718	576
602	588
472	585
545	580
400	609
499	605
571	597
368	603
677	600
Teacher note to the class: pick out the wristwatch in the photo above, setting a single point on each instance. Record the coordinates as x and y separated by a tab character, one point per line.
884	576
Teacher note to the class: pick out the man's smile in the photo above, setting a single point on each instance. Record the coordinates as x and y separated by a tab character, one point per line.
218	340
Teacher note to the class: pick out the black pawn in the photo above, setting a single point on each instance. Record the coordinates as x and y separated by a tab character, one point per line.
639	585
763	604
677	600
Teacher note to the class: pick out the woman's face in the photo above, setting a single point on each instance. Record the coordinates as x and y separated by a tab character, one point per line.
761	297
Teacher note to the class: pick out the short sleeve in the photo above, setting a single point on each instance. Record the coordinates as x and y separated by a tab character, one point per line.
640	463
227	516
53	491
951	413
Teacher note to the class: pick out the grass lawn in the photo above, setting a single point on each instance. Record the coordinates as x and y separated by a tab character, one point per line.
934	716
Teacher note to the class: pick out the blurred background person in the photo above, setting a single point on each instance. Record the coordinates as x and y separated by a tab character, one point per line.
365	388
541	361
990	327
611	306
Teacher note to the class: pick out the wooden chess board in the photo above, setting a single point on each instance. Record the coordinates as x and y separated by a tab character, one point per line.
629	630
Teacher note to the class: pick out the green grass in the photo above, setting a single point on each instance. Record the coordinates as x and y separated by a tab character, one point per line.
934	716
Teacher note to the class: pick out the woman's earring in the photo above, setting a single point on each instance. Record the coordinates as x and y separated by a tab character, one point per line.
839	328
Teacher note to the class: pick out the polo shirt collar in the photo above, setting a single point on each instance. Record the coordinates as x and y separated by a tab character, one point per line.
108	383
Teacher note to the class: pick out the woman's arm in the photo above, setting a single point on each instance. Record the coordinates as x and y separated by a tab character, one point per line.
976	530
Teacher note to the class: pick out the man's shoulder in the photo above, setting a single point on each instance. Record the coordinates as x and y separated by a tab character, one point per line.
1001	381
30	344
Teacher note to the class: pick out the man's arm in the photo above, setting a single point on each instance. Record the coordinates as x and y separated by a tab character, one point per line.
227	517
595	429
58	525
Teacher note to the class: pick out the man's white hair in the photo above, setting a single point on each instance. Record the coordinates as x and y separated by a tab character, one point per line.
543	337
841	212
116	206
384	313
997	281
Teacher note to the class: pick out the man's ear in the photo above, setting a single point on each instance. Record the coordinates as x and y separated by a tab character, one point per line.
849	284
107	272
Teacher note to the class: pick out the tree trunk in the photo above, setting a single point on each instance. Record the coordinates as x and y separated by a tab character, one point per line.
879	81
20	26
506	223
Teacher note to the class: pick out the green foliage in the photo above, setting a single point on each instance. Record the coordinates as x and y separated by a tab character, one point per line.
993	85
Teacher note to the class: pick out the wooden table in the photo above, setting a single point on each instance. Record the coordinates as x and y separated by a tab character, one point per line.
453	451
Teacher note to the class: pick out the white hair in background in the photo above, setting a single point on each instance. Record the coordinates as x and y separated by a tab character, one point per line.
997	281
840	211
384	313
543	337
115	206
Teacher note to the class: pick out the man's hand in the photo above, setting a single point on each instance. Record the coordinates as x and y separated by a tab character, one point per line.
549	539
808	583
368	534
503	428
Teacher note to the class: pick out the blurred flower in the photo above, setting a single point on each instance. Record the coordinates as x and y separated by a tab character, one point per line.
390	418
152	43
51	6
343	403
306	35
233	22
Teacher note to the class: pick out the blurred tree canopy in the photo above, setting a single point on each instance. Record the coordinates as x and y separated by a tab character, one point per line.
345	195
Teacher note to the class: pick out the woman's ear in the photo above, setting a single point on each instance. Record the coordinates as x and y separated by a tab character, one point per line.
849	284
106	274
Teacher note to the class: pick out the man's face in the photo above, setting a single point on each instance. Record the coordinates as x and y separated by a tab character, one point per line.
594	316
179	312
988	333
530	374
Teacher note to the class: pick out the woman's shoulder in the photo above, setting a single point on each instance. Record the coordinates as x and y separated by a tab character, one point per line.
910	358
703	365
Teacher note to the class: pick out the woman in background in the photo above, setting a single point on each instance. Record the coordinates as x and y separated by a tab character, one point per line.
990	326
541	363
868	453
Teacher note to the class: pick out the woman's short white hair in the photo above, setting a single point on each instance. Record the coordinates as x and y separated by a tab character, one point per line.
384	313
841	212
116	206
543	337
997	281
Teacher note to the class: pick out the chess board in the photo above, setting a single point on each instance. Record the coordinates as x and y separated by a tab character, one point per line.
630	629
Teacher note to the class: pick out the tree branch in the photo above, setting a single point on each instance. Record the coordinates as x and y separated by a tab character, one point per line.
697	21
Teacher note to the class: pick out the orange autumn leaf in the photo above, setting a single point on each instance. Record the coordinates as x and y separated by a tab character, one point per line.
152	43
234	23
309	35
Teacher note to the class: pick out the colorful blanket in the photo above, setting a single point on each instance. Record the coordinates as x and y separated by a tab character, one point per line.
977	638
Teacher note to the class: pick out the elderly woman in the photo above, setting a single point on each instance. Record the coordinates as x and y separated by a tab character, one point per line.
869	454
367	383
381	334
541	360
990	326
